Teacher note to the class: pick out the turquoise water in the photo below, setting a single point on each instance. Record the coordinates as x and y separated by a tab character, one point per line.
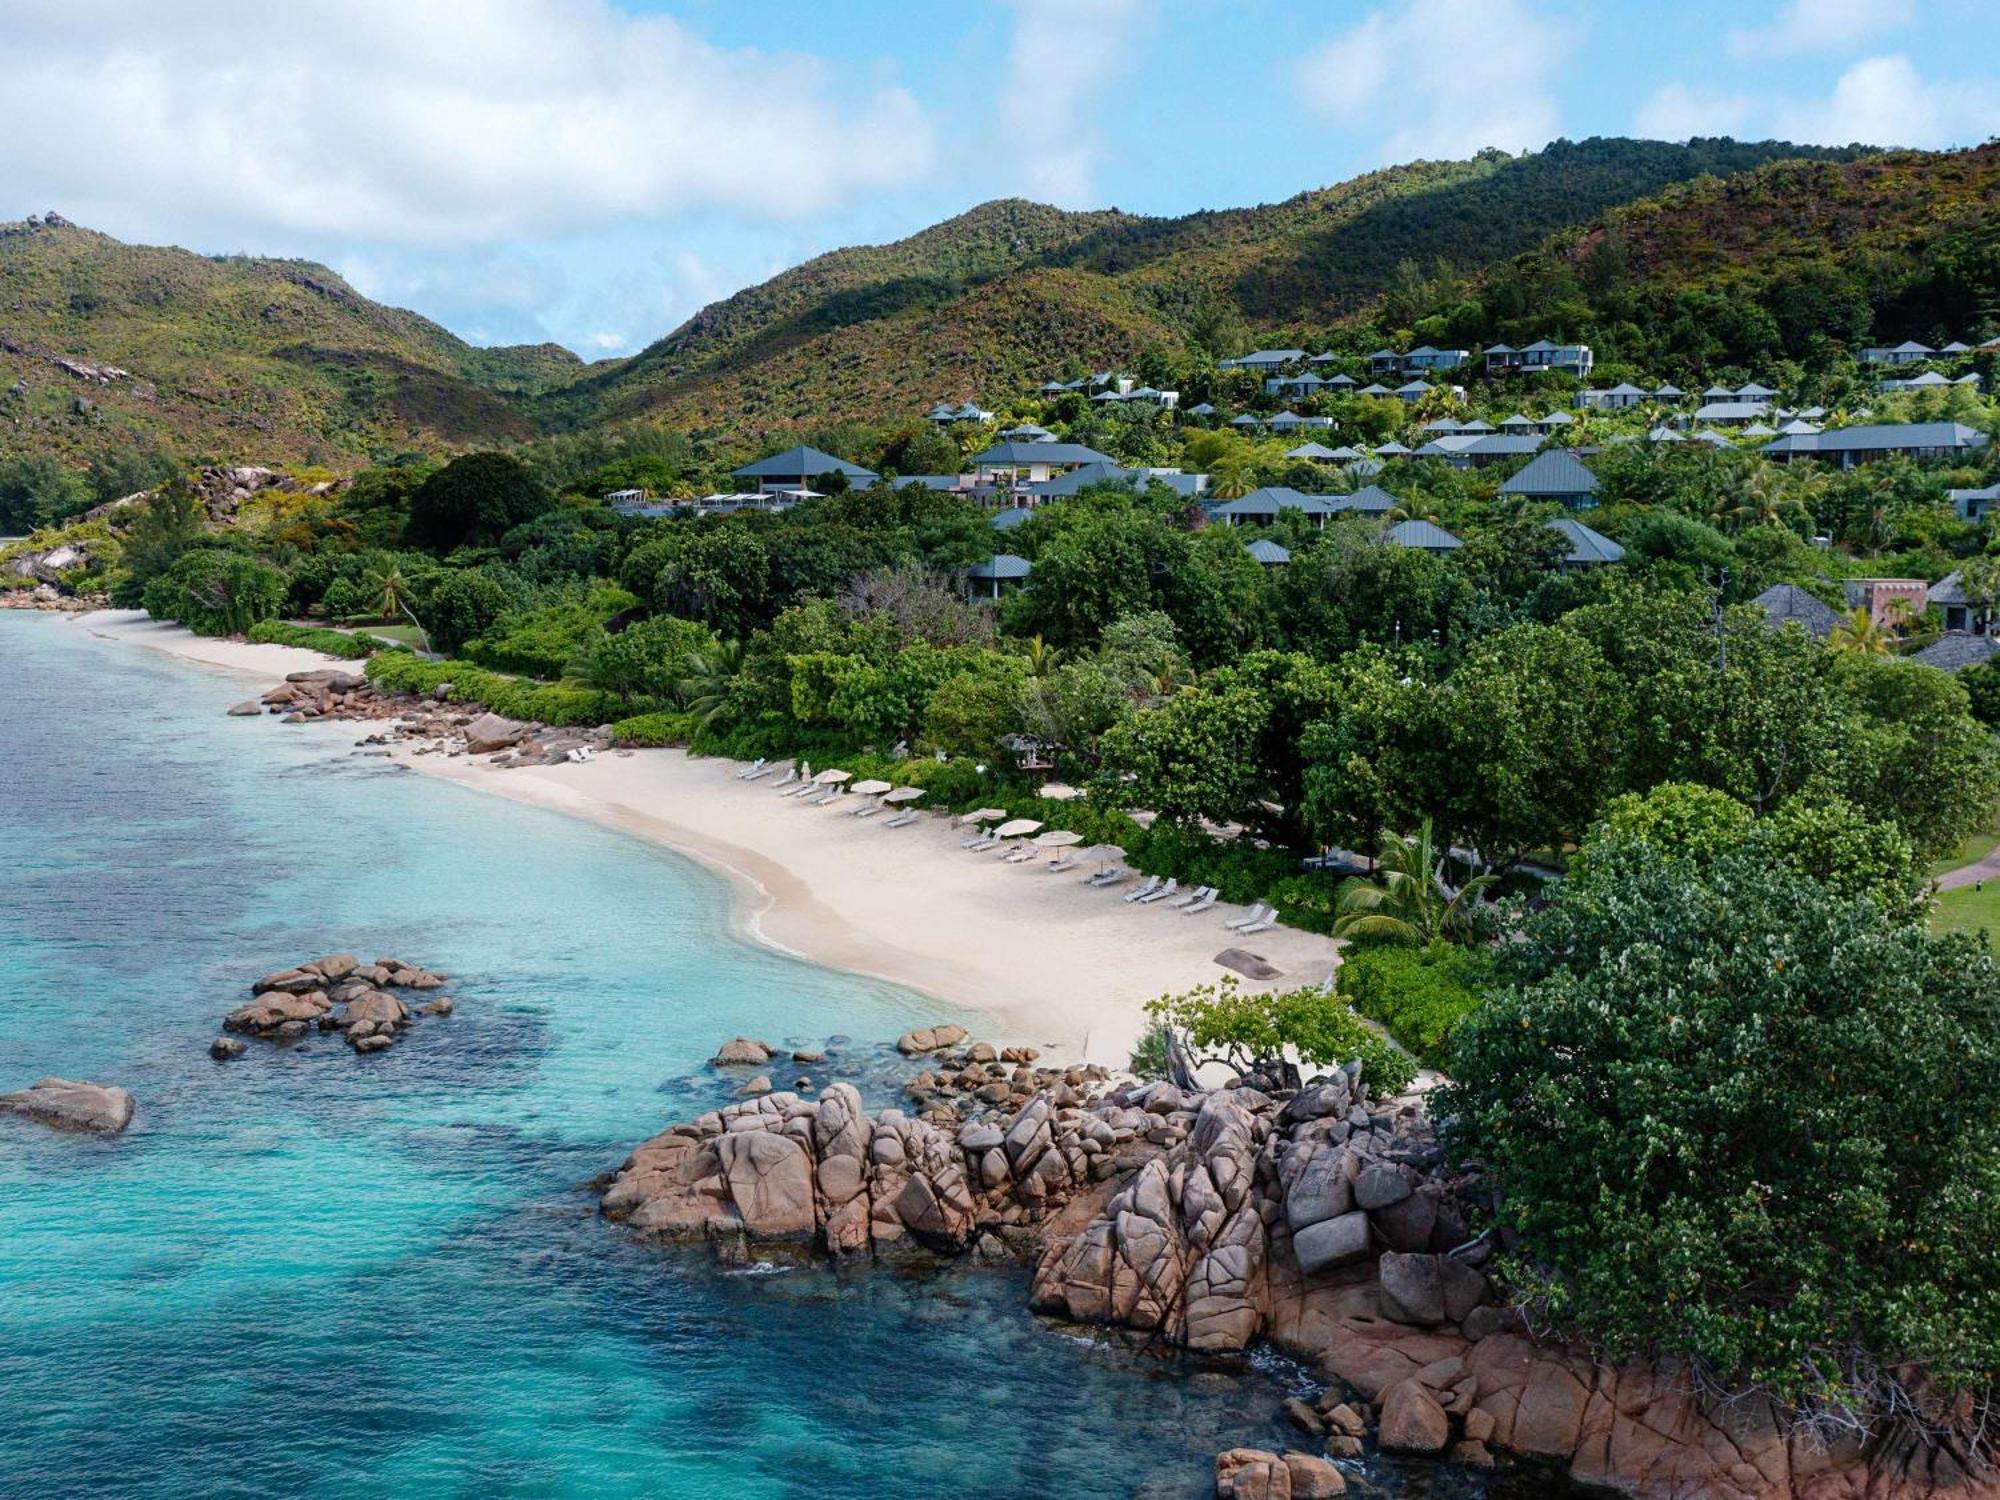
309	1273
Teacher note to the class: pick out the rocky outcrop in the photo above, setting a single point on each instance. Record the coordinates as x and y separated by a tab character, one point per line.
337	994
95	1108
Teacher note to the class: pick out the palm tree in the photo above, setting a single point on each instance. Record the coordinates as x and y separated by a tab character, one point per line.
1412	902
1761	499
392	598
1232	478
1042	658
705	689
1860	635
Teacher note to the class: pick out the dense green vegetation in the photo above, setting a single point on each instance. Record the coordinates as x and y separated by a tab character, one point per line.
1760	1149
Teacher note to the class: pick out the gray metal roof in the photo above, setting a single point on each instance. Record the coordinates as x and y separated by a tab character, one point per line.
1003	454
1369	500
1005	566
1008	519
1422	534
1554	472
1784	603
1957	650
1269	552
1586	546
1880	436
801	463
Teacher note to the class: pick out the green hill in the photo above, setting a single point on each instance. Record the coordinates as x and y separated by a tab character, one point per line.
1009	293
235	357
1798	260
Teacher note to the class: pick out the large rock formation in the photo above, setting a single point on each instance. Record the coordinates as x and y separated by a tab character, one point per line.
64	1105
337	993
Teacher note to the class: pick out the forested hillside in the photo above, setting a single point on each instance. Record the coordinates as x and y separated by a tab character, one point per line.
104	344
973	307
1790	261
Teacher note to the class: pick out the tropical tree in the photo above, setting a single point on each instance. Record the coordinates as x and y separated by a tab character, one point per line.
391	591
704	692
1860	634
1412	899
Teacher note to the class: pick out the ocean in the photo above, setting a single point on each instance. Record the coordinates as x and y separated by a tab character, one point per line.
307	1272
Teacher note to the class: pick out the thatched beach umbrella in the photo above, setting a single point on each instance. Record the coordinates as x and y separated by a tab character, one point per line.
869	788
984	815
1058	838
1017	827
904	794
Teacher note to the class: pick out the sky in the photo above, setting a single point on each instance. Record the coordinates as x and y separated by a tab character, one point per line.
593	172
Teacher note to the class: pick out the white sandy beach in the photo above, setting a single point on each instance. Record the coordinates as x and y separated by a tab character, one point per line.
1059	964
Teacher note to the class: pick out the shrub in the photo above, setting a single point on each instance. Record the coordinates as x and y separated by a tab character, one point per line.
1739	1120
313	638
1420	994
475	498
404	672
1221	1023
548	642
214	591
650	731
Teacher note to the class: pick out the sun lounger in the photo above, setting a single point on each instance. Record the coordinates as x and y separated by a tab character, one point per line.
867	811
789	779
1201	903
1107	877
1066	862
760	775
1265	924
755	768
980	846
1150	885
1021	854
830	797
1257	914
1188	898
900	819
1162	892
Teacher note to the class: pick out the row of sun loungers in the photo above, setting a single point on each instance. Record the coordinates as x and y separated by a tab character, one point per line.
1153	890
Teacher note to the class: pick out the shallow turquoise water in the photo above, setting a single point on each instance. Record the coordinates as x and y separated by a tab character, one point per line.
309	1273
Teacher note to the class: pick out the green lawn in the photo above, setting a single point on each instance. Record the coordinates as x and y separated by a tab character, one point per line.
1968	908
400	635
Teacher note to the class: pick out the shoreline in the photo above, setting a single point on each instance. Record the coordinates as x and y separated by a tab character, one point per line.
1056	964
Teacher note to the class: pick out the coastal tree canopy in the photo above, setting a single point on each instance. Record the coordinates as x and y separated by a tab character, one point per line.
1729	1118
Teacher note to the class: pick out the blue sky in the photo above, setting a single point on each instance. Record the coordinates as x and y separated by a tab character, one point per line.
594	171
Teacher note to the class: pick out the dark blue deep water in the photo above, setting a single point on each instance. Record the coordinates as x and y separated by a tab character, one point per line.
311	1273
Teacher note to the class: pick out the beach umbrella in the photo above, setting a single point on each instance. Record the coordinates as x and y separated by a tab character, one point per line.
832	778
984	815
1018	827
1058	838
869	788
904	794
1106	854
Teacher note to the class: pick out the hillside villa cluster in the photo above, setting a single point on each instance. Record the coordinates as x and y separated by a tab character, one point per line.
1028	466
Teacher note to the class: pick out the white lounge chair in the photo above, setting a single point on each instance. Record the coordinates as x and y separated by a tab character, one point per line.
980	846
831	797
1263	924
1188	898
789	779
1150	885
760	775
755	768
1257	914
1020	854
1107	877
1201	903
1161	893
1064	862
900	819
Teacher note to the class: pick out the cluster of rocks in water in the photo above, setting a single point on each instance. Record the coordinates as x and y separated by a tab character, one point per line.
437	726
338	993
1320	1220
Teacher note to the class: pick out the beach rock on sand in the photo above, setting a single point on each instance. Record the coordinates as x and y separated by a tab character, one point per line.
929	1039
490	732
66	1105
332	679
247	710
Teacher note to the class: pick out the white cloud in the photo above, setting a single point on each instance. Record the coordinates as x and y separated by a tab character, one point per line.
1820	26
1677	112
1062	55
609	343
391	121
1460	75
1884	101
